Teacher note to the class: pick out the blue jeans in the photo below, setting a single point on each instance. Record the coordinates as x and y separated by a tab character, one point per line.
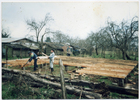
35	64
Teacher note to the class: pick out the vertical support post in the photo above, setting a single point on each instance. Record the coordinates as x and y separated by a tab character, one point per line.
12	53
80	77
45	69
121	82
39	71
126	80
66	68
62	79
71	76
20	53
23	68
41	65
6	55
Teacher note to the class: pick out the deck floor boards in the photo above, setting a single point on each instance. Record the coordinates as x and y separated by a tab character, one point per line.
96	66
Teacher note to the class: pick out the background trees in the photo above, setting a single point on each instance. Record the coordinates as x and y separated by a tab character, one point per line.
114	37
123	35
37	27
120	36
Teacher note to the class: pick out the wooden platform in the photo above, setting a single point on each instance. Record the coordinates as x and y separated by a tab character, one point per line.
96	66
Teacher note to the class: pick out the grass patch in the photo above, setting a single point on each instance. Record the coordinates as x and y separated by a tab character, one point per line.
107	81
12	90
12	58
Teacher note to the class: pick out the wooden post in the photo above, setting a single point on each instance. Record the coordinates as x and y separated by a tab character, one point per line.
12	53
81	93
41	65
62	79
80	77
39	70
23	68
66	68
45	68
72	76
20	53
121	82
6	55
126	80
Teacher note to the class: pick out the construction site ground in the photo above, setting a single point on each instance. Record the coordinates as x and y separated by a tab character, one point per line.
132	79
132	82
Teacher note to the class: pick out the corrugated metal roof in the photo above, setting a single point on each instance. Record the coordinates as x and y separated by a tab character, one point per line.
9	40
22	46
54	45
31	47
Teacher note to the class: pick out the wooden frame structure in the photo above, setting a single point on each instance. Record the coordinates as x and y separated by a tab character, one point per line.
97	66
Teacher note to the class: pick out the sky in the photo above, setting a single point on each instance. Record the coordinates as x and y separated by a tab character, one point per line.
76	19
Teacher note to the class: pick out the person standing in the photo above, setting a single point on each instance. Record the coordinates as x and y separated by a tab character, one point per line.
51	57
69	50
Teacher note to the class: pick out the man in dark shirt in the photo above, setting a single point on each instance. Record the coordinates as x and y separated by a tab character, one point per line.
33	56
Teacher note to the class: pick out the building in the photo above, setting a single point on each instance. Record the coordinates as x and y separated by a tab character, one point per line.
18	48
58	48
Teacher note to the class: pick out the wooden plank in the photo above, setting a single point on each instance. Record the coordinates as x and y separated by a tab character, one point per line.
109	74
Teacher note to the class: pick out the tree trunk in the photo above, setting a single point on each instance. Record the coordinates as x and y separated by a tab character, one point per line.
119	54
96	51
90	51
135	55
111	53
40	47
125	56
128	57
104	53
114	51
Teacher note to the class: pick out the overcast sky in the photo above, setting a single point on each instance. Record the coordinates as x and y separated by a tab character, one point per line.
76	19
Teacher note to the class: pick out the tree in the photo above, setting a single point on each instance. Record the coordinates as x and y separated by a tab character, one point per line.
38	26
5	33
59	37
92	41
123	34
48	39
103	41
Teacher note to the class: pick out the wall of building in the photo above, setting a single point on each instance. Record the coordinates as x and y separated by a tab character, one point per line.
48	51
